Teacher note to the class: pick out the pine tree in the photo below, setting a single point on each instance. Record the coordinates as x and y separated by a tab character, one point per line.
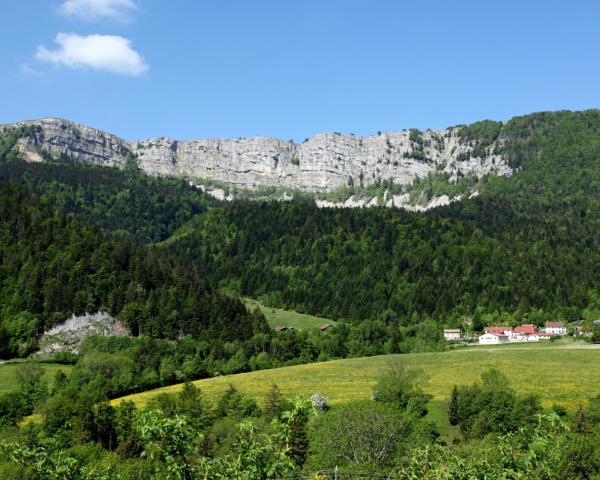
273	402
296	419
453	407
579	422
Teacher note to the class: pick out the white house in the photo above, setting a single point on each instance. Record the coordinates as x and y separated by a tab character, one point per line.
492	338
452	333
556	328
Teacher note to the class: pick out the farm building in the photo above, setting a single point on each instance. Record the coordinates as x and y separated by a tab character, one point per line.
556	328
492	338
504	330
452	333
282	328
326	327
526	329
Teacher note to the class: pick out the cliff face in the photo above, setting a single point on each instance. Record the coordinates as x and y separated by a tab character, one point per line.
322	163
71	141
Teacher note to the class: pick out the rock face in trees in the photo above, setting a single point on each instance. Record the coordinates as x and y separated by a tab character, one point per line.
68	335
321	163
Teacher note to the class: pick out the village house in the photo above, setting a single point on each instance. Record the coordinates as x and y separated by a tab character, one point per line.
492	338
282	328
452	333
504	330
522	333
527	329
555	328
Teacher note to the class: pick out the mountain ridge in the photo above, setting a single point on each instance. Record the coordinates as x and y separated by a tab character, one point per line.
322	163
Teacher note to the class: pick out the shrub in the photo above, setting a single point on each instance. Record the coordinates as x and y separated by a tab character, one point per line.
319	402
366	433
399	385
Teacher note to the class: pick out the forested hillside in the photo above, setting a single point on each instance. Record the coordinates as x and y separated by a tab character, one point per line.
149	208
54	266
529	244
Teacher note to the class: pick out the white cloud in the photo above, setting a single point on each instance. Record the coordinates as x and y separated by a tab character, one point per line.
28	70
108	53
98	9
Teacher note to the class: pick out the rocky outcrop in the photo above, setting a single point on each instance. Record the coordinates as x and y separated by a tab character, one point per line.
72	142
67	336
322	163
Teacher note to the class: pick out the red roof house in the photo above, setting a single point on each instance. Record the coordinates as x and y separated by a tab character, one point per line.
498	329
526	329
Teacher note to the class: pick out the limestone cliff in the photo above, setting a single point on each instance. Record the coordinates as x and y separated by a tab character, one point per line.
322	163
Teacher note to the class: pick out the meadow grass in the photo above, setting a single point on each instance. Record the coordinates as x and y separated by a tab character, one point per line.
277	316
562	373
8	374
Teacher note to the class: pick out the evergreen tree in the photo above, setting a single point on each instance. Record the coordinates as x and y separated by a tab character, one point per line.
453	413
579	422
274	402
296	420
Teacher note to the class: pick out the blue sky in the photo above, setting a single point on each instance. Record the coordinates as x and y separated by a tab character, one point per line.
290	69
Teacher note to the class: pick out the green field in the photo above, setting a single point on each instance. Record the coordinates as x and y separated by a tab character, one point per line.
562	373
289	318
8	378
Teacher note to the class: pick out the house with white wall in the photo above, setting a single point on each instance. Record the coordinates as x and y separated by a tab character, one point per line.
556	328
492	338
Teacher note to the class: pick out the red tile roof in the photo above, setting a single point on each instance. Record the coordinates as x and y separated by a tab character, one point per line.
527	329
554	324
498	329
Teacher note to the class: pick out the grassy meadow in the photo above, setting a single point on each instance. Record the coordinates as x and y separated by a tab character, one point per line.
8	371
564	373
277	316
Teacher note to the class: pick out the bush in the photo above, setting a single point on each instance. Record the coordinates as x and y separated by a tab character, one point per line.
399	385
365	433
319	402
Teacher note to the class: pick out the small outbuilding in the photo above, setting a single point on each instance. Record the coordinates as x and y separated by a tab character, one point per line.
452	334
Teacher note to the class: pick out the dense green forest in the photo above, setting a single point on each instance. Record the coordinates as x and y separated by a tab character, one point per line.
54	265
149	208
529	244
526	249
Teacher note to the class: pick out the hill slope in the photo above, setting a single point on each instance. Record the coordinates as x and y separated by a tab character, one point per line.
564	374
527	245
53	266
